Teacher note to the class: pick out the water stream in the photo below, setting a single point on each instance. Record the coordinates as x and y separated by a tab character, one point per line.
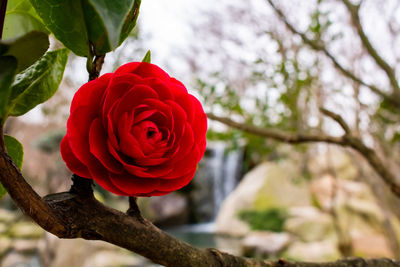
218	174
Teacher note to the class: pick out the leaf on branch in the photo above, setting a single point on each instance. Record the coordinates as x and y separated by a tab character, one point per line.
8	67
20	19
147	57
26	49
37	83
15	150
89	26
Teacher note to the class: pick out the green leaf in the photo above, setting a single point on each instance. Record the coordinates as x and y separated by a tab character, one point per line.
15	150
20	19
26	49
147	57
8	67
86	25
37	83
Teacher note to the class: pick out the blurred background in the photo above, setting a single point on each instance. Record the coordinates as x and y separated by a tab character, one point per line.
271	64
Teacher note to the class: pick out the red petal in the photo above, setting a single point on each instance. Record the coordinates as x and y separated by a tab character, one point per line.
162	89
91	93
177	183
119	85
98	147
71	160
144	70
132	185
78	132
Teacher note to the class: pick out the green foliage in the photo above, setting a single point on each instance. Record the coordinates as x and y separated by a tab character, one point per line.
8	67
89	27
20	19
15	150
147	57
37	83
266	220
26	49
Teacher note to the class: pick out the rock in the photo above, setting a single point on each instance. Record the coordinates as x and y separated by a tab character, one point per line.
25	246
15	259
325	250
229	244
336	159
84	253
265	244
3	228
262	188
169	210
371	245
7	216
106	258
5	245
242	197
325	187
25	230
311	226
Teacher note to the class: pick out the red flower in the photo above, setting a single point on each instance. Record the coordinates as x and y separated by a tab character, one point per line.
136	132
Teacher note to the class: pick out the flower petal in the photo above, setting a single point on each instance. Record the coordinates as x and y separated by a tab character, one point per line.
98	147
71	160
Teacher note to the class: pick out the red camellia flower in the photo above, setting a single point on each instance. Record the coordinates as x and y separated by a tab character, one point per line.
136	132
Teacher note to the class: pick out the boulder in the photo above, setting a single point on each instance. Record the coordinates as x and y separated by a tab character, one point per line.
168	210
265	244
241	198
7	216
332	158
310	224
262	188
25	230
325	250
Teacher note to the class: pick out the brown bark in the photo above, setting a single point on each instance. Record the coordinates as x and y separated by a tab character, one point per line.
77	214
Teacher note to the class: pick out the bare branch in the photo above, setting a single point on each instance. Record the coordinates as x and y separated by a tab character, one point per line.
338	119
346	141
390	72
393	99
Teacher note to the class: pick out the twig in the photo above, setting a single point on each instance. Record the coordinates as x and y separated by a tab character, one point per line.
96	67
346	140
338	119
395	101
390	72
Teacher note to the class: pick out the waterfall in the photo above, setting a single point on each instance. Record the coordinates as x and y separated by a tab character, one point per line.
217	176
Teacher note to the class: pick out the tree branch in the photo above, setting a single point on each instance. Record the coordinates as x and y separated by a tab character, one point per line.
77	214
393	99
346	140
338	119
390	72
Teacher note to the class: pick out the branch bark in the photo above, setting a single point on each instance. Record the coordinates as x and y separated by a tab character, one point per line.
393	98
346	140
77	214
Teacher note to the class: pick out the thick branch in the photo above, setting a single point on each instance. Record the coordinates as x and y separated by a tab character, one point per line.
320	47
346	140
390	72
77	214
